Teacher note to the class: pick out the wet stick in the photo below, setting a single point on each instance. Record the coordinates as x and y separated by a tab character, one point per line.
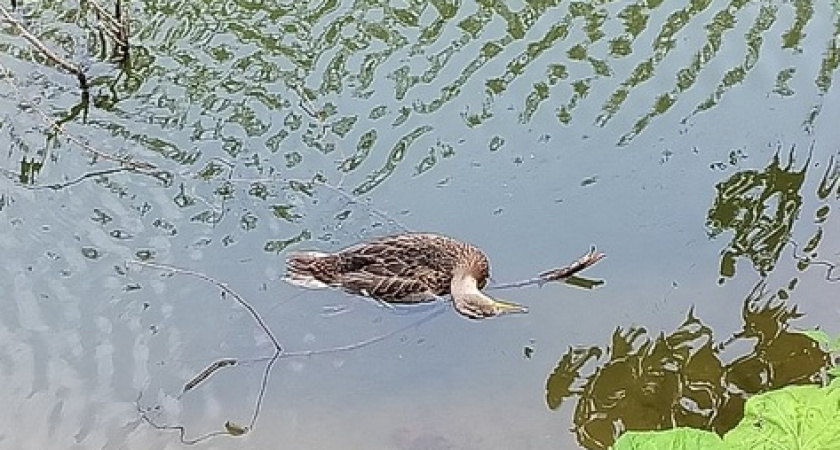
44	50
204	374
208	371
560	273
126	161
116	26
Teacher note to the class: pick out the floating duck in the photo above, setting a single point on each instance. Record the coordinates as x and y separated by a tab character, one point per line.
414	268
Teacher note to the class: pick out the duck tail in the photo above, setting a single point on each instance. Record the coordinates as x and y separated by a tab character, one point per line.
311	269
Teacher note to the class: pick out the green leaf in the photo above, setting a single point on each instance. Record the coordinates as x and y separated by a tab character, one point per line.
833	372
796	417
675	439
820	336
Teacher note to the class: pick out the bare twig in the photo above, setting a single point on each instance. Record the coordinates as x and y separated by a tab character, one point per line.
587	260
102	13
182	431
225	288
116	26
126	161
357	345
207	372
354	199
583	262
231	428
77	180
44	50
204	374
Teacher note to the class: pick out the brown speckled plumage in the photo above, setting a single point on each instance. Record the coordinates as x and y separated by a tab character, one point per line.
404	268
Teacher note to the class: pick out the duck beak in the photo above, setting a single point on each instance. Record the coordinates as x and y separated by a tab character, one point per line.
503	307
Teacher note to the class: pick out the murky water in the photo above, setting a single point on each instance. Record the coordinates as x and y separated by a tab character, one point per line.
694	142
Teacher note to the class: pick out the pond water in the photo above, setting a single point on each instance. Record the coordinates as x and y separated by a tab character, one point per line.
693	142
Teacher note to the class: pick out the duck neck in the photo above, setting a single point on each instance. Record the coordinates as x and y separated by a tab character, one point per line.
466	296
463	284
472	303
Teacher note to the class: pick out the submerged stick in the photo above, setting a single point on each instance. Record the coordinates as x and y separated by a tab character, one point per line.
360	344
44	50
56	127
116	26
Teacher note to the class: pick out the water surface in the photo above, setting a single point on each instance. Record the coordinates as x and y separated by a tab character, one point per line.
693	142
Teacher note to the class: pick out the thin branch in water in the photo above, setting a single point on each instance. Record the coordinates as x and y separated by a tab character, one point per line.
204	374
364	343
102	13
583	262
126	161
210	370
224	287
355	200
182	431
231	428
560	273
74	69
116	26
79	179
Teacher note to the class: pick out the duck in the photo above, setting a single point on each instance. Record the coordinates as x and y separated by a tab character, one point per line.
407	268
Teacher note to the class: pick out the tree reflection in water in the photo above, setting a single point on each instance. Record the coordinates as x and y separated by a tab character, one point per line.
687	377
760	208
680	378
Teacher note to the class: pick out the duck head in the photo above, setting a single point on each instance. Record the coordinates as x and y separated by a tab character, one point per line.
471	302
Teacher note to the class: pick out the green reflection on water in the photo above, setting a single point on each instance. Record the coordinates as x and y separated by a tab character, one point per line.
278	245
635	21
765	19
29	170
681	378
828	190
792	38
760	209
394	157
240	64
267	85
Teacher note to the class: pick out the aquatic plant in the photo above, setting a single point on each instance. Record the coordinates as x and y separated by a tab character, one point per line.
794	417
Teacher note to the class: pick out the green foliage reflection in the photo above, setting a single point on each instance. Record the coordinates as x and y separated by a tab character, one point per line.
759	208
682	378
795	417
354	90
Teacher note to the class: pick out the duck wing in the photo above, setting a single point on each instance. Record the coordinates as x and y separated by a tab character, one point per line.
391	277
407	268
389	288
